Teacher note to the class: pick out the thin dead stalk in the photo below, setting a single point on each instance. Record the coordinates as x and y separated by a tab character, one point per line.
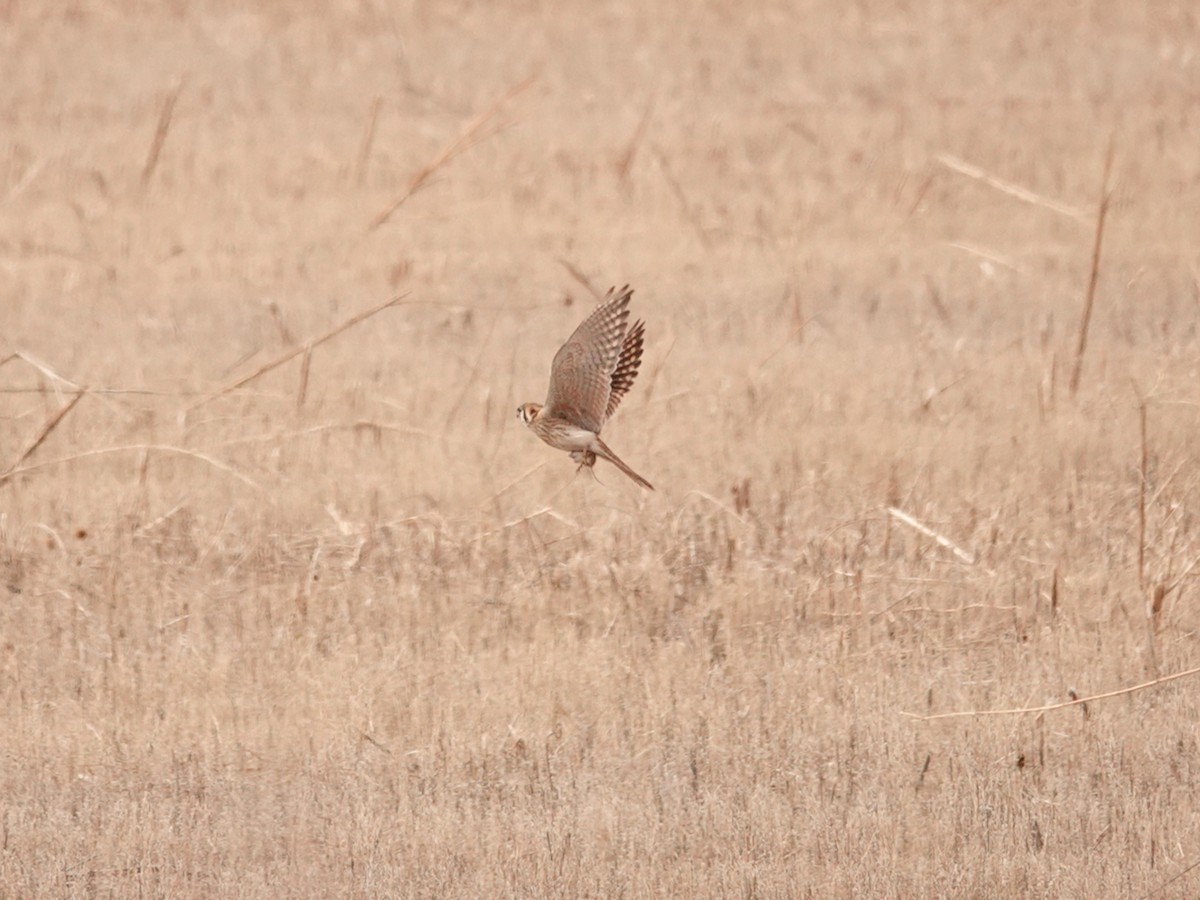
896	609
305	364
496	496
160	133
25	180
652	381
1090	298
989	255
942	540
368	141
1154	599
1170	881
1007	187
362	425
710	499
46	370
44	432
1142	497
1076	701
467	138
133	448
1178	580
575	272
783	345
934	393
546	510
103	392
305	347
165	517
625	160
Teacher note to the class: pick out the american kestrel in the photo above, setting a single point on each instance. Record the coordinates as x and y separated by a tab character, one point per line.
590	374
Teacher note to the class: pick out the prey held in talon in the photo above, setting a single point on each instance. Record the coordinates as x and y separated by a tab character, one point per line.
590	374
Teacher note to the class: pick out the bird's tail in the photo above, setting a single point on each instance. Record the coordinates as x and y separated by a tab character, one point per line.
601	449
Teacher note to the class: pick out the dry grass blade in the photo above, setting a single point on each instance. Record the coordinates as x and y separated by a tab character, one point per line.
362	425
1090	298
103	391
989	255
1049	707
712	500
26	179
1170	881
1178	579
1143	479
520	520
625	160
46	370
303	347
784	344
464	141
511	484
1007	187
132	448
897	609
368	141
50	424
160	133
305	365
576	273
935	392
942	540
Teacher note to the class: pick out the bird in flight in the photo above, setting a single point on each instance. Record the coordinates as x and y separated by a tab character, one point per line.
590	374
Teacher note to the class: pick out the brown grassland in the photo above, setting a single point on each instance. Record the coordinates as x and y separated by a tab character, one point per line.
286	618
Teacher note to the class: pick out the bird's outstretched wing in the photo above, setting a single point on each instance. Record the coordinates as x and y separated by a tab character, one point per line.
582	372
627	367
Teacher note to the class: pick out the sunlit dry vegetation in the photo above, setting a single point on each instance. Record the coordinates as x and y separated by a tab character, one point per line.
292	604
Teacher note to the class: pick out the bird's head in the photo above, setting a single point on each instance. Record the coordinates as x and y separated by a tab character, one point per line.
527	412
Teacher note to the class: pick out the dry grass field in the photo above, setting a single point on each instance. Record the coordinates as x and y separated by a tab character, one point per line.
278	622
